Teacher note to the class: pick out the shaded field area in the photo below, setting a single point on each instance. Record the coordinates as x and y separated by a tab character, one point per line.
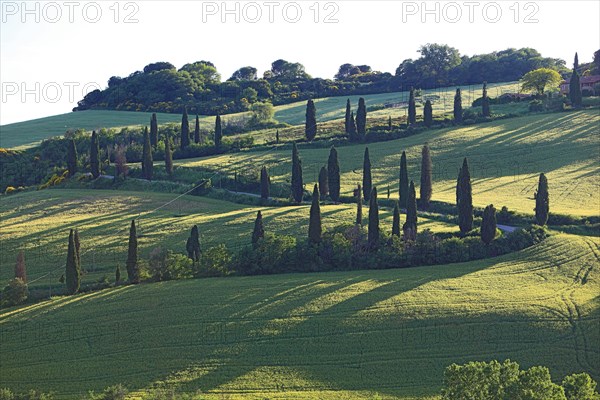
305	336
505	159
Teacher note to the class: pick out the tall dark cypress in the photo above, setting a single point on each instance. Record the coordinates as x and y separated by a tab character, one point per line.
575	89
71	157
297	183
352	134
147	162
465	200
347	118
396	221
265	183
458	110
259	229
367	182
168	156
426	171
359	201
412	107
373	233
310	128
132	264
73	268
197	130
542	201
153	130
323	183
488	224
390	123
485	102
410	226
94	155
333	175
576	62
361	119
315	229
185	130
428	114
403	181
77	247
192	245
218	132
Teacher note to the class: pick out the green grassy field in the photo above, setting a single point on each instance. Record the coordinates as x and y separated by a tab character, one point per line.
505	158
363	334
31	132
39	223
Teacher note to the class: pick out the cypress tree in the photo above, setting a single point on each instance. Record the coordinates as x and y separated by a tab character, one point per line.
465	200
94	156
77	247
576	62
428	114
352	134
390	123
168	156
259	230
485	102
361	119
72	271
542	201
185	130
458	111
488	224
310	128
426	170
412	107
367	183
153	131
265	182
410	226
333	172
297	184
373	233
197	130
359	205
20	268
314	225
71	157
403	181
118	274
218	132
396	221
193	244
277	136
323	183
147	163
575	89
347	118
132	264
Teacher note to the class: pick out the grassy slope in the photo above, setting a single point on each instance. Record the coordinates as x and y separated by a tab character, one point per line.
307	336
39	223
28	132
505	156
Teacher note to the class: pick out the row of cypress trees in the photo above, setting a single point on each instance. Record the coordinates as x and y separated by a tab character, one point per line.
186	135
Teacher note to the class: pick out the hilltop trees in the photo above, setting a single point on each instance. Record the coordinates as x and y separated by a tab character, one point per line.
428	114
361	118
197	130
323	183
73	268
94	155
192	245
265	183
168	156
153	130
396	221
310	128
464	199
412	107
259	229
359	205
147	162
218	131
426	170
485	102
20	267
373	233
488	224
458	110
542	201
297	184
333	175
403	185
367	182
132	264
315	229
185	130
410	226
71	157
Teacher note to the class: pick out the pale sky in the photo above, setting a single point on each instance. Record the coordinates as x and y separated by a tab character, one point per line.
54	61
